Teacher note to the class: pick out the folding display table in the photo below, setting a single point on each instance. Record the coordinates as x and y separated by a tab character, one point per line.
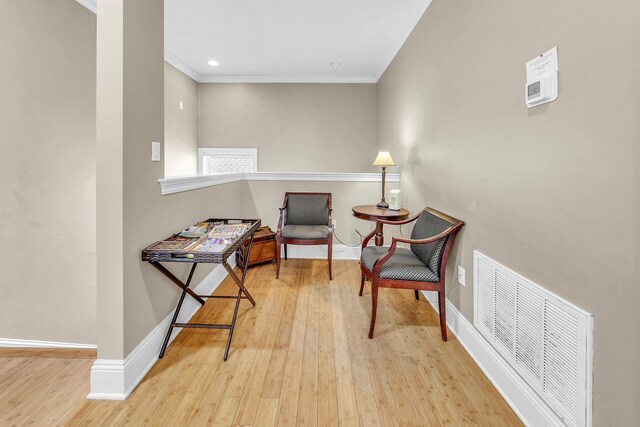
207	253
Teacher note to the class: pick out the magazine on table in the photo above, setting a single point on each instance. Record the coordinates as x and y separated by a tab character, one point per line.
174	245
227	231
205	237
220	237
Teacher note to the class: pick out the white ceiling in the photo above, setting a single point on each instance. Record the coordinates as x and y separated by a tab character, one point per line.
287	40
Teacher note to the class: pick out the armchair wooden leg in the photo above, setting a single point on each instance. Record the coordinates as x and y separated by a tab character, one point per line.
278	244
443	315
361	283
374	307
330	256
417	295
285	251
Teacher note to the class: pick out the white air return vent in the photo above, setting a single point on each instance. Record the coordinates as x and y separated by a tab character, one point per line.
227	160
545	339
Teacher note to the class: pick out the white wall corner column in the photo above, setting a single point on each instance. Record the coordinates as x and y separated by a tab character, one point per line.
129	117
110	112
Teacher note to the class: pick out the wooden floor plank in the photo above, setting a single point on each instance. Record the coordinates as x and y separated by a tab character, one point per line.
277	362
249	405
53	402
11	368
300	357
267	411
327	385
346	392
290	392
50	353
308	400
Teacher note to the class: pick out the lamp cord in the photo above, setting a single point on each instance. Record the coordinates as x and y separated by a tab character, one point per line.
351	246
361	238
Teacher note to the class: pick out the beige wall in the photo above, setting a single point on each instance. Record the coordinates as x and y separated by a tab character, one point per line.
549	191
268	196
296	127
635	301
180	126
47	171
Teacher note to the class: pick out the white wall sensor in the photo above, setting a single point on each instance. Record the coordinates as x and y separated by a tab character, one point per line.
394	200
541	90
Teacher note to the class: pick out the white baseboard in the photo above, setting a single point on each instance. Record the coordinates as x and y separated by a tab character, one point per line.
320	252
113	379
524	401
14	343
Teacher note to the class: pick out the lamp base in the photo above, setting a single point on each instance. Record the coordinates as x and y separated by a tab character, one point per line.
383	205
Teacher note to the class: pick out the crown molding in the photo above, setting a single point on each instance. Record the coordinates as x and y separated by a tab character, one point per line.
412	20
92	5
177	63
296	78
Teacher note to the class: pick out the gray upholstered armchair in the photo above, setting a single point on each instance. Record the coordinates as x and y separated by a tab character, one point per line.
421	267
305	219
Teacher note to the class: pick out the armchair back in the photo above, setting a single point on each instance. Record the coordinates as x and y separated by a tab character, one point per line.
428	225
307	209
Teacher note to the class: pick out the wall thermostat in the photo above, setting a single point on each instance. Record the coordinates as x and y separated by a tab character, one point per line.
394	200
541	90
542	79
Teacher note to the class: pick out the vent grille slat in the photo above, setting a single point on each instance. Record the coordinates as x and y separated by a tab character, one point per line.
560	380
487	279
543	338
504	311
529	334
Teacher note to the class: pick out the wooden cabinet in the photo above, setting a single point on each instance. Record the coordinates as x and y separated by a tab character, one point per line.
263	250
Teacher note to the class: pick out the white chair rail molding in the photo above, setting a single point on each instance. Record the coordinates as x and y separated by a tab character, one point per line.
178	184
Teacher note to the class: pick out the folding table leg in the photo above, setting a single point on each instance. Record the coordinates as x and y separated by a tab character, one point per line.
241	290
239	282
175	313
185	290
175	280
233	325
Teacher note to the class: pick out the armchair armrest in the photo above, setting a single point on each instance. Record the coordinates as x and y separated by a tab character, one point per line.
377	265
282	214
280	221
379	223
432	239
368	237
406	221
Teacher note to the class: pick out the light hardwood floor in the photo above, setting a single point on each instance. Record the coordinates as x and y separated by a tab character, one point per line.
300	357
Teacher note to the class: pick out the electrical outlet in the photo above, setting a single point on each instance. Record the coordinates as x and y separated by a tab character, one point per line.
333	223
461	276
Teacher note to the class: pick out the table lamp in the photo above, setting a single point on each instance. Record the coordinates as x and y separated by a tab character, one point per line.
384	159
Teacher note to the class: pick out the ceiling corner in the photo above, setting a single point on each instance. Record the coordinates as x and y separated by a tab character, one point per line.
402	36
180	65
92	5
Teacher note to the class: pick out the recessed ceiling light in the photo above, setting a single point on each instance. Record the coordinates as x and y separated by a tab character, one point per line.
336	64
213	63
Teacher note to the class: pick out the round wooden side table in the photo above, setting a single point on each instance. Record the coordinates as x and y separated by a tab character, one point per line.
372	213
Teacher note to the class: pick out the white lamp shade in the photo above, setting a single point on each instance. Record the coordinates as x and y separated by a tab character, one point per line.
383	159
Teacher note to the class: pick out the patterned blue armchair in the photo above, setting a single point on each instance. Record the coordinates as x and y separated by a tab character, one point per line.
420	267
